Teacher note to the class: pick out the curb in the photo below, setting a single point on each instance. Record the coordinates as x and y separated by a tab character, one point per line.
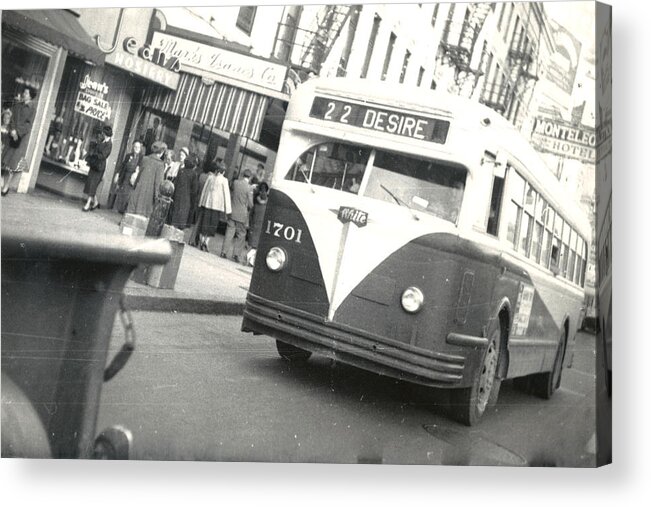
143	303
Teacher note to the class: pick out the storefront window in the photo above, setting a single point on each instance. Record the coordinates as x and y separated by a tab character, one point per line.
84	104
156	126
21	68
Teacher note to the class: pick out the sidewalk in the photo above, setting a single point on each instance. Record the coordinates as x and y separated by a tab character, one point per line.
205	283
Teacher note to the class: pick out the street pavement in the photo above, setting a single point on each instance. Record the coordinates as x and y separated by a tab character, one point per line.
197	388
205	283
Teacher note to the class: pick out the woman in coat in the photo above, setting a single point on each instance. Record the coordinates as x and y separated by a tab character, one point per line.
129	166
147	181
96	159
13	153
185	190
214	204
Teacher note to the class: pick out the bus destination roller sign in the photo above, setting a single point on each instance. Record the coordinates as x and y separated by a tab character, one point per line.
421	128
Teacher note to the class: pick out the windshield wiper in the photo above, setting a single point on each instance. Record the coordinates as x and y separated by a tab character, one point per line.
307	180
400	201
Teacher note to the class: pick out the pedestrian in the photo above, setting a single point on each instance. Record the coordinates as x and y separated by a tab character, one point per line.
98	152
152	135
129	166
260	174
185	191
214	204
20	127
147	180
260	199
238	222
5	128
171	166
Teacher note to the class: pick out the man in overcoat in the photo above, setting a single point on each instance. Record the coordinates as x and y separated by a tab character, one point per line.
238	221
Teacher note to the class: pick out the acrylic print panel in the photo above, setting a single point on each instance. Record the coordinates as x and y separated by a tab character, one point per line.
382	239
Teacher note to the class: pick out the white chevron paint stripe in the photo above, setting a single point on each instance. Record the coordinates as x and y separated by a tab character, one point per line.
389	228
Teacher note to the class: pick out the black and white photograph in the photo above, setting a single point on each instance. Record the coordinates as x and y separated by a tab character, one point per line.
369	234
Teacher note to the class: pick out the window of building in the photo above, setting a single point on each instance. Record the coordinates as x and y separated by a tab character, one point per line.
286	37
510	8
516	31
245	18
435	13
387	56
350	36
405	65
371	44
421	73
501	17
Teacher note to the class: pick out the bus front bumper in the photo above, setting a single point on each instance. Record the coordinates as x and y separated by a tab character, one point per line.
352	346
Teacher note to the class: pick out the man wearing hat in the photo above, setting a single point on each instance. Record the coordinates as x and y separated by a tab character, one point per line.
147	181
98	152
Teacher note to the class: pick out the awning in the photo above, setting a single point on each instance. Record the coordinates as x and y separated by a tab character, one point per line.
215	104
57	26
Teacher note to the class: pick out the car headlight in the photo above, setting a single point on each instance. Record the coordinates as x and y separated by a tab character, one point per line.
276	259
412	299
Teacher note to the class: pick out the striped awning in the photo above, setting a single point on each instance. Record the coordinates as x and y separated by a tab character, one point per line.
216	104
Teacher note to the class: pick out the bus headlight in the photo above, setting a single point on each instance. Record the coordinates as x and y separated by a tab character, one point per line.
412	299
276	259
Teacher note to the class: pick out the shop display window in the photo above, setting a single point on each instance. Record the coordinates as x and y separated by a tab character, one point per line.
152	126
21	68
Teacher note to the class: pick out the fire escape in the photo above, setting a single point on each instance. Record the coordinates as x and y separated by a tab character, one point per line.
306	48
521	72
458	45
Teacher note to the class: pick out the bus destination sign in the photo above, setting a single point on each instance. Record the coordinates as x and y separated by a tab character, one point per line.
421	128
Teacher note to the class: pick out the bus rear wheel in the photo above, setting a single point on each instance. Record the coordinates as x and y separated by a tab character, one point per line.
292	353
469	404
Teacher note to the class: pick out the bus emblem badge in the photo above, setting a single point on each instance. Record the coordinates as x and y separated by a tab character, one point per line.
347	214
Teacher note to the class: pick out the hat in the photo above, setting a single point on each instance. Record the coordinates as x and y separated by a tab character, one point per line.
107	130
185	150
158	147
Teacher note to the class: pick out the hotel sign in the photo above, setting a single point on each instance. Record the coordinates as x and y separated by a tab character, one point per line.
564	139
200	59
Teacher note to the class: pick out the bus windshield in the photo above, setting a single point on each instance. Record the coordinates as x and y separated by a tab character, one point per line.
430	186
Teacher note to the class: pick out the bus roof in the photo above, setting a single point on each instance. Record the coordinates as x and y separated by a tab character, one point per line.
494	130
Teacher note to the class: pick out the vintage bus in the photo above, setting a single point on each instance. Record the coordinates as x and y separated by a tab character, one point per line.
416	235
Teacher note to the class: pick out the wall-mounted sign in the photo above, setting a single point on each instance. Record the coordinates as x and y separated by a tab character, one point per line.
152	64
198	58
88	85
563	64
564	139
93	106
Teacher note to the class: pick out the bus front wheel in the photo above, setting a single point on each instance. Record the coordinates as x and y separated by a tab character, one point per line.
469	404
291	353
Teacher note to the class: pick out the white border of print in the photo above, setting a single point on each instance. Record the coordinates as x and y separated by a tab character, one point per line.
68	483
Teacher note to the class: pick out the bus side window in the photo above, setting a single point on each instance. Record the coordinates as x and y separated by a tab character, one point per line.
494	210
554	265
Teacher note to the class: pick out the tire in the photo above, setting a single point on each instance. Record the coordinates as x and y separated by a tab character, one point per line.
291	353
469	404
544	385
